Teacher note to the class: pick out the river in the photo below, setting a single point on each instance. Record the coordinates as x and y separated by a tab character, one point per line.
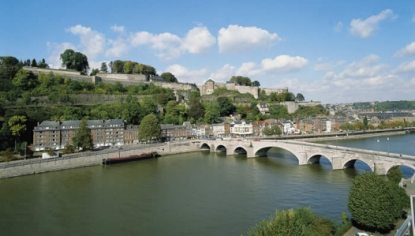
187	194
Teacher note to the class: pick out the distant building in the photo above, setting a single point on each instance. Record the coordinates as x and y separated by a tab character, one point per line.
210	86
241	128
170	132
218	130
55	135
263	108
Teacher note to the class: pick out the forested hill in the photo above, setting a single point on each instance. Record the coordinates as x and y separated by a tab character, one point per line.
385	106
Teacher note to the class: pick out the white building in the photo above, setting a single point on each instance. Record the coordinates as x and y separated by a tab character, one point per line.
263	108
288	127
241	128
218	130
328	126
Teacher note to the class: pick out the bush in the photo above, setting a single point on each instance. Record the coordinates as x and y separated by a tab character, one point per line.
295	222
375	203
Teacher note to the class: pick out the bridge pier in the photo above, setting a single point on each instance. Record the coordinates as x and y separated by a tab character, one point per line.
380	168
337	163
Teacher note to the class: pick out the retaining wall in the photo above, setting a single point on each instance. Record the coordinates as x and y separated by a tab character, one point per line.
34	166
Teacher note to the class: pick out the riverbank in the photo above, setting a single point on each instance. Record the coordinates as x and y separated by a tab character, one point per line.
354	136
91	158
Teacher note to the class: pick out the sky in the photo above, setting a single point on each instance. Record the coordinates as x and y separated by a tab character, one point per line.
332	51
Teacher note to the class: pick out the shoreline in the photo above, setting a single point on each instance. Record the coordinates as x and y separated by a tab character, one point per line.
91	158
354	136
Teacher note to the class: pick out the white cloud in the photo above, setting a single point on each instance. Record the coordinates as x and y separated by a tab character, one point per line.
92	42
117	48
406	67
366	79
118	28
236	38
184	74
223	74
198	40
283	63
408	50
169	46
364	28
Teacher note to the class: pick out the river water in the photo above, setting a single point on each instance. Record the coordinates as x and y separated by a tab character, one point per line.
187	194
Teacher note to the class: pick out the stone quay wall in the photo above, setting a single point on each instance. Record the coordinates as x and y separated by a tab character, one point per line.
93	158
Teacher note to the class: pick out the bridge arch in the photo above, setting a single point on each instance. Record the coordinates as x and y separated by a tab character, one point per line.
240	150
221	148
404	168
205	146
315	158
261	151
350	163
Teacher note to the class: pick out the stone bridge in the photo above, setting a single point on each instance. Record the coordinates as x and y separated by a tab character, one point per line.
306	153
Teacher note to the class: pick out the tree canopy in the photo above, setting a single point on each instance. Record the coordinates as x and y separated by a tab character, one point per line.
149	129
169	77
83	138
299	97
272	130
131	67
75	61
375	203
25	80
294	222
226	107
241	80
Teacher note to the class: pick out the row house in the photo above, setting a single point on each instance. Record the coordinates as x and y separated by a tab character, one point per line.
171	132
55	135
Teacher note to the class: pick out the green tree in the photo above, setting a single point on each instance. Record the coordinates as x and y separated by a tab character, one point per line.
8	68
34	63
278	112
225	106
148	106
365	123
241	80
299	97
212	112
104	67
175	113
25	80
75	61
128	67
149	128
43	64
169	77
83	138
117	66
17	126
374	203
395	174
272	130
131	111
196	109
256	83
94	72
294	222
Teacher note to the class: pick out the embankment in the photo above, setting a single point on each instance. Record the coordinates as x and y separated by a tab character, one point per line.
93	158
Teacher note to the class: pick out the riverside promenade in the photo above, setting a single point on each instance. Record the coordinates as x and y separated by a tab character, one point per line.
90	158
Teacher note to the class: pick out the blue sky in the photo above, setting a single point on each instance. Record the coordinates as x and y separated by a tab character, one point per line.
332	51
